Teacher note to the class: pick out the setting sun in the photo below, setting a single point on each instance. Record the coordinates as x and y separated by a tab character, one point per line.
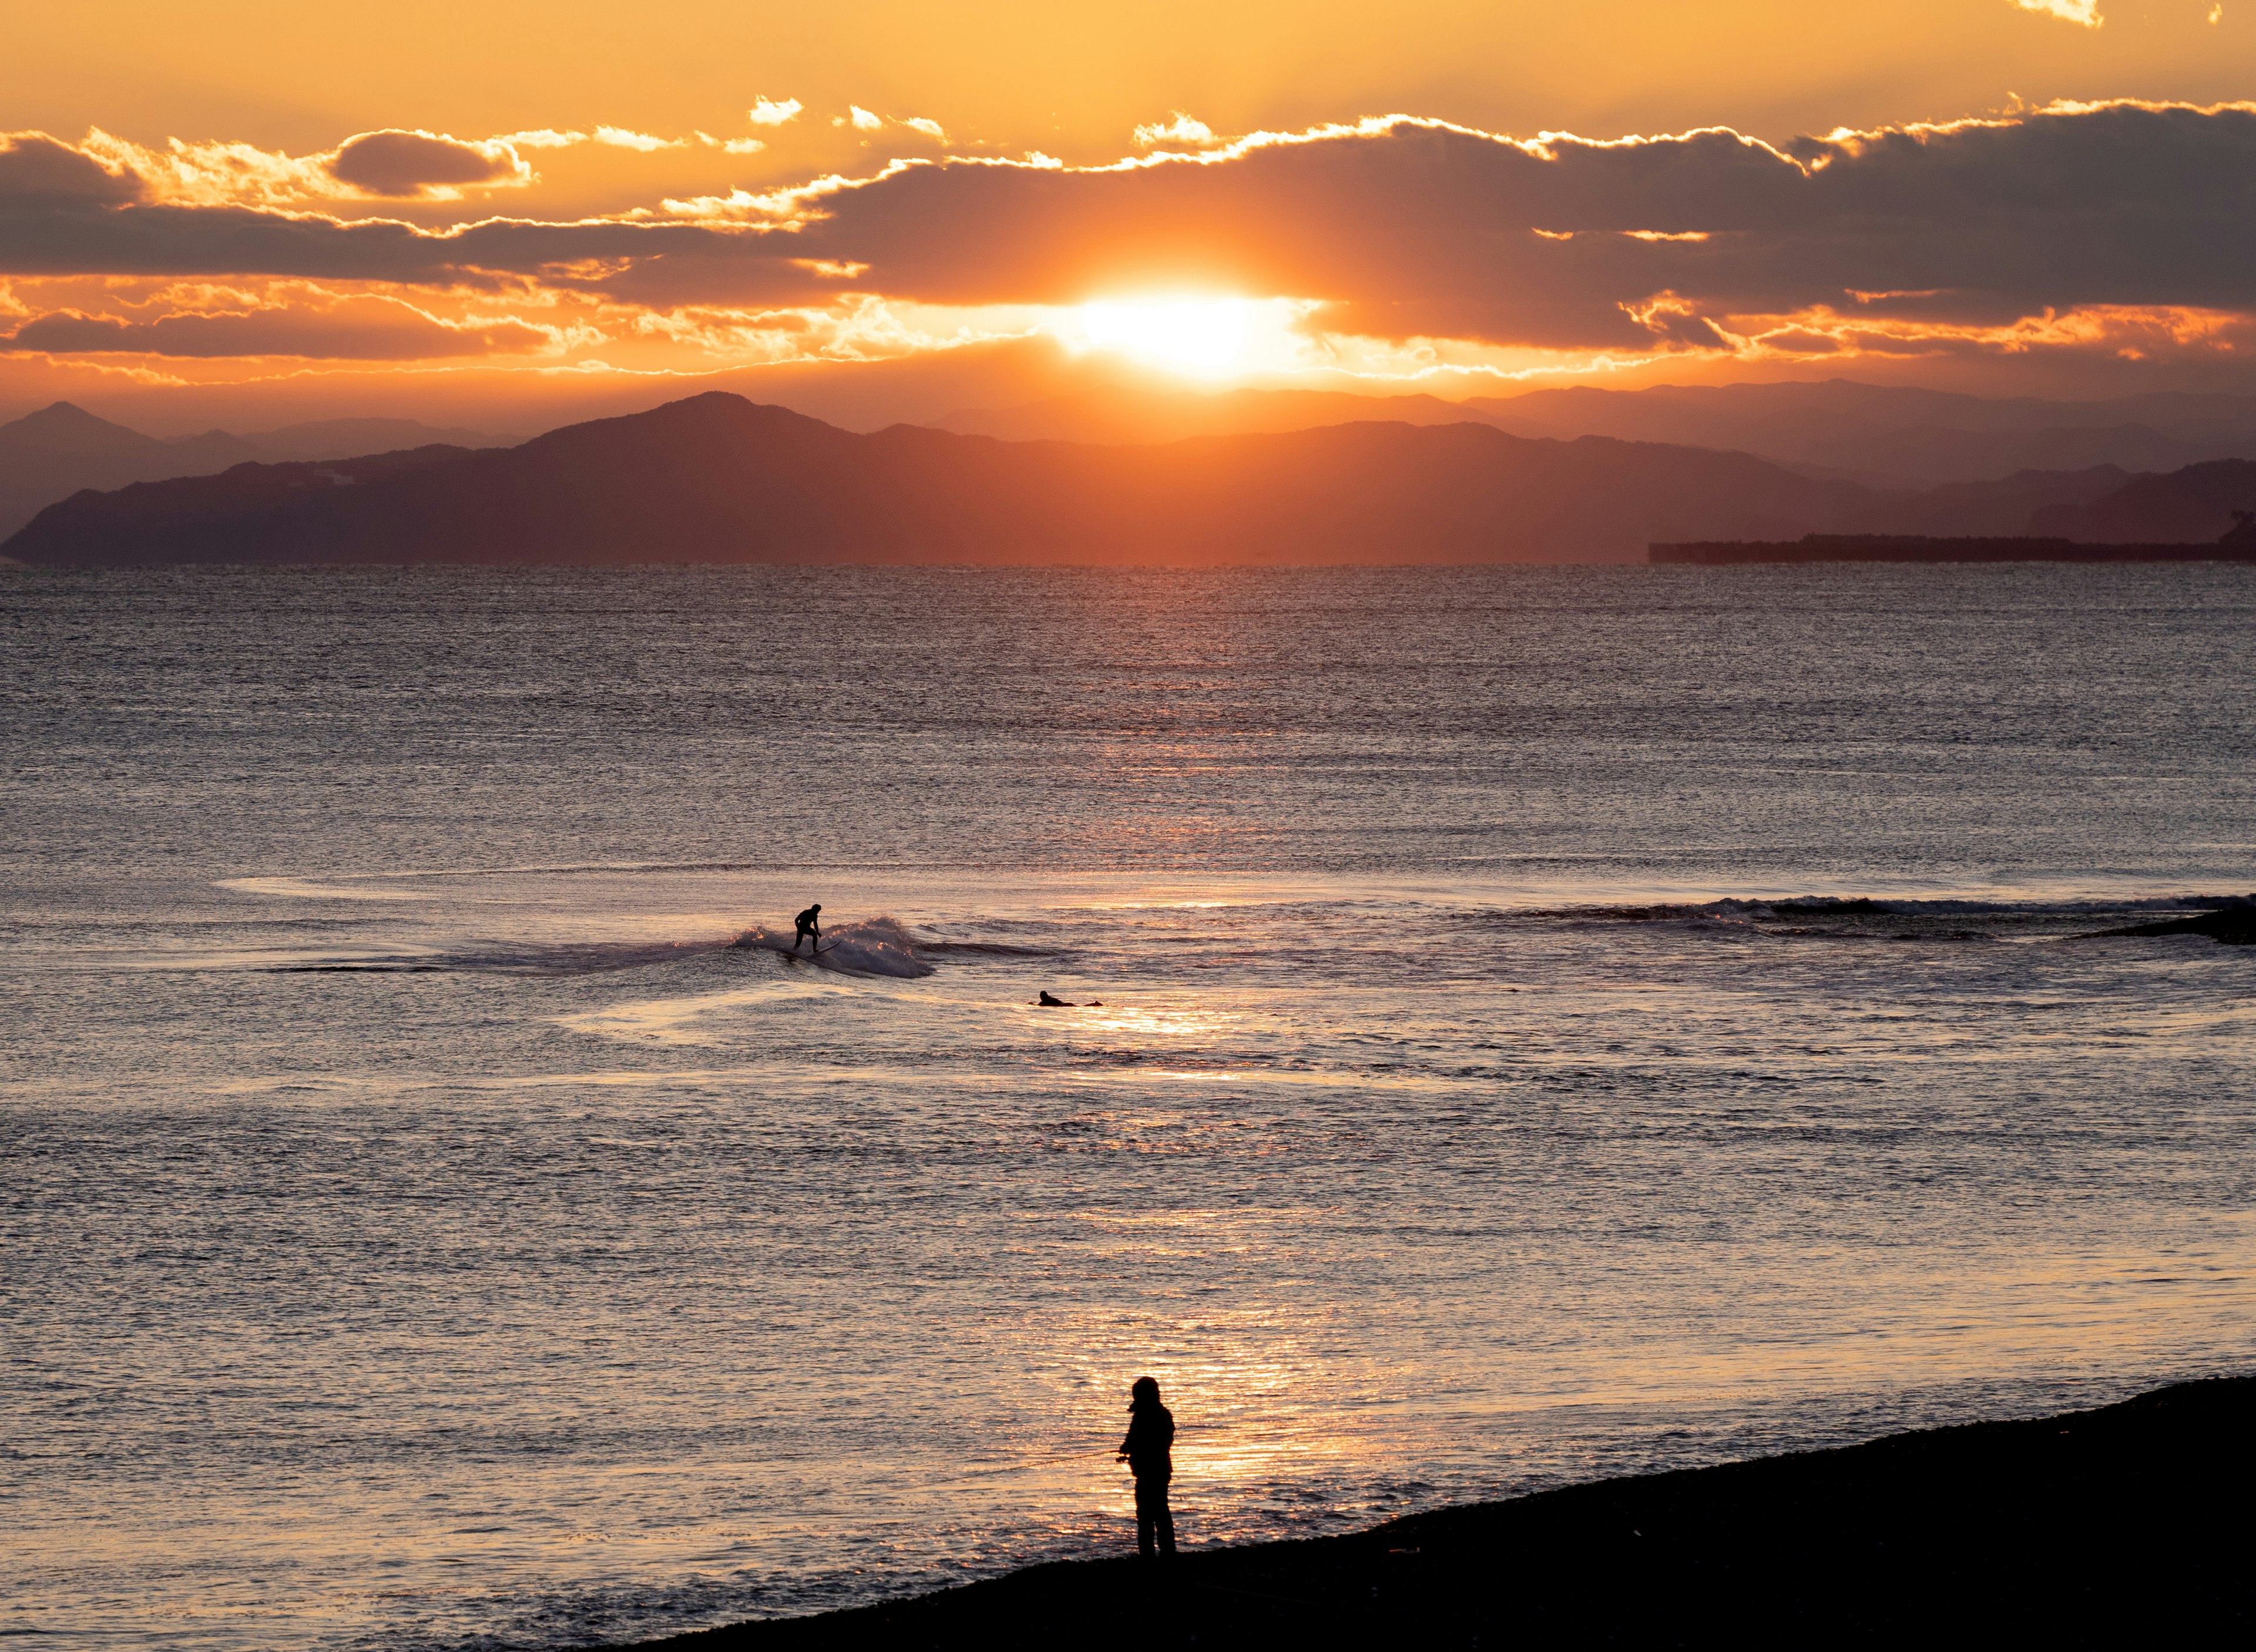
1208	335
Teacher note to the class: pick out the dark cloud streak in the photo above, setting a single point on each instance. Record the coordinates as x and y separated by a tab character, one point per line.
162	240
371	331
38	172
401	163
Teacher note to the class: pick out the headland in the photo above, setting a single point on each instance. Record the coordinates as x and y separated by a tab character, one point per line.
2238	546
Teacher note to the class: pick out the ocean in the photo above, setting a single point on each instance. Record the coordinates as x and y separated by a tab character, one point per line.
1552	1022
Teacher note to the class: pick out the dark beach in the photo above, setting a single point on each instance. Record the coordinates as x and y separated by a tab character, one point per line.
2125	1525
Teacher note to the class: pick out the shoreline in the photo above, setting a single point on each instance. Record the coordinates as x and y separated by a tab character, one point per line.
2128	1522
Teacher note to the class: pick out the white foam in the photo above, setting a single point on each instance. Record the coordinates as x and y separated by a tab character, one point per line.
874	946
312	889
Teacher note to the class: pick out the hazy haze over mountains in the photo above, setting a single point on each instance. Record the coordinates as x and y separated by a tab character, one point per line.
1899	435
1885	436
1932	461
2196	503
52	454
1145	413
716	478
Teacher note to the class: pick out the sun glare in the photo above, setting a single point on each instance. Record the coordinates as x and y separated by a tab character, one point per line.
1205	335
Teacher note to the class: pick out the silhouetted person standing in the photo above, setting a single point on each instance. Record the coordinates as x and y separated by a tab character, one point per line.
1149	1451
810	927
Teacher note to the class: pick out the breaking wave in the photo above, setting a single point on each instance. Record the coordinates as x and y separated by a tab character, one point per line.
874	946
1863	917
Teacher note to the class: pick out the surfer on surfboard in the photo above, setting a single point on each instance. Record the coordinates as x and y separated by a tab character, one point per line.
810	927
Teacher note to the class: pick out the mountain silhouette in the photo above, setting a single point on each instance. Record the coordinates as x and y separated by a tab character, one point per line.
1883	436
2193	505
717	479
54	452
2005	506
1120	413
1896	435
345	438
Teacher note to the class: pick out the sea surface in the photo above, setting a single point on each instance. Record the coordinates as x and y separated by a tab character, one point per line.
1554	1023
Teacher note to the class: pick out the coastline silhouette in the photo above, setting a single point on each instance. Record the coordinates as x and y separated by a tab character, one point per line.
1149	1451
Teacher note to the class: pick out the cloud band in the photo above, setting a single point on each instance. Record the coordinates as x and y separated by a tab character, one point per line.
1395	229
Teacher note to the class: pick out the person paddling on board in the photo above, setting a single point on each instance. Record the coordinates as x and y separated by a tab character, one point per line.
810	927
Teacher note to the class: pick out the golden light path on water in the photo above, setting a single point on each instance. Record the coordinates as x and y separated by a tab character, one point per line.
1616	1034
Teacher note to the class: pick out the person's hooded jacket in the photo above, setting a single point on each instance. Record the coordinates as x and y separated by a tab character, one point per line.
1151	1441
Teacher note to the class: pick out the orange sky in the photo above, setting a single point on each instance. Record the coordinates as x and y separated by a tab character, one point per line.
247	211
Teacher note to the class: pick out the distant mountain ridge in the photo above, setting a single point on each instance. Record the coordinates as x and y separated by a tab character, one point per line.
1927	462
350	438
1885	436
717	478
52	454
1123	415
2196	503
2005	506
1899	434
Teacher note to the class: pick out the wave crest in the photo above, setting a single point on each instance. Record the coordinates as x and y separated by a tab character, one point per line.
872	946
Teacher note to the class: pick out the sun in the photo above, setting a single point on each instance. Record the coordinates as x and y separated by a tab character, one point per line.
1204	334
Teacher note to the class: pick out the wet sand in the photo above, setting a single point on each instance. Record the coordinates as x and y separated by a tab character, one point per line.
2125	1525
